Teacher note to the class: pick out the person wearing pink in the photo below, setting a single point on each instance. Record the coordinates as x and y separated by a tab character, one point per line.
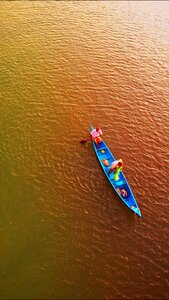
116	167
95	135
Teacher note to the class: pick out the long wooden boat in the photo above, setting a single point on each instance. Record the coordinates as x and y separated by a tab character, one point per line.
120	186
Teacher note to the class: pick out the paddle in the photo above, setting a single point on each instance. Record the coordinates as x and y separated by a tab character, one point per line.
85	141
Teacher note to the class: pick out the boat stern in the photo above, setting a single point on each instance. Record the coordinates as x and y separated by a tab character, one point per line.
136	210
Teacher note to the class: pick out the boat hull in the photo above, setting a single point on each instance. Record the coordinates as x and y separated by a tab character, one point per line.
121	186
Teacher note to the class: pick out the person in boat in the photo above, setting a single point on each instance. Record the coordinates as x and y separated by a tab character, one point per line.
116	167
124	193
95	135
105	162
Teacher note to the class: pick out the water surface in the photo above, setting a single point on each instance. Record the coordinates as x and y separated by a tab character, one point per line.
65	66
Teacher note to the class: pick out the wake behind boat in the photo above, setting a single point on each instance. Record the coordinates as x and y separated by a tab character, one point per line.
121	185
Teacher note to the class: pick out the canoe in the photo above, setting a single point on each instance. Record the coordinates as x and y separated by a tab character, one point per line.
121	186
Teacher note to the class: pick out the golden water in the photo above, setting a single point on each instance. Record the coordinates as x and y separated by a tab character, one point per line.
66	66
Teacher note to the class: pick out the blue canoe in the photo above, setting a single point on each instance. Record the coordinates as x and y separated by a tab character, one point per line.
120	186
